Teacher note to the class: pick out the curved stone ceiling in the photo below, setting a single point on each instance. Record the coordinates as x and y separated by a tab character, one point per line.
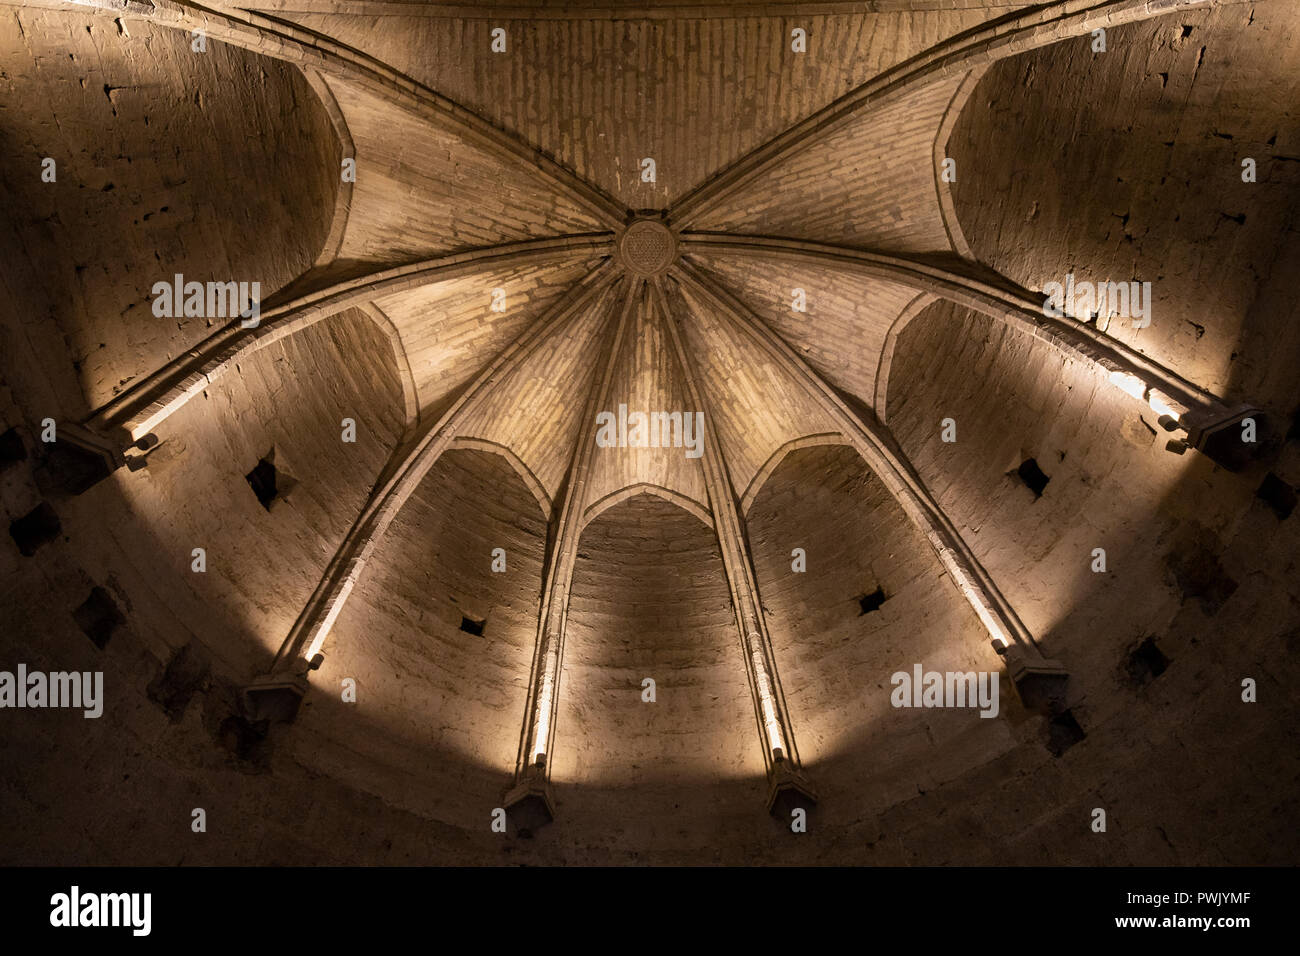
737	378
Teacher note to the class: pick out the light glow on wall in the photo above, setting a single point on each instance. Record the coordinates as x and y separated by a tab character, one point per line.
767	704
543	726
1129	383
1159	402
1162	405
327	622
545	694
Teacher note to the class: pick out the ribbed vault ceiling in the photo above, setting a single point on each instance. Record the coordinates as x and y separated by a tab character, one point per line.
486	180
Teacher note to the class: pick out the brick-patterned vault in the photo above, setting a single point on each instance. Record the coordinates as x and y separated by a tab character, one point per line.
538	432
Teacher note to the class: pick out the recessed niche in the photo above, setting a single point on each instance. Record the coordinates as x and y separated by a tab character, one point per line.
1063	732
12	449
1278	495
1032	476
98	617
38	527
248	740
472	625
1200	575
1147	662
871	602
269	482
185	674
